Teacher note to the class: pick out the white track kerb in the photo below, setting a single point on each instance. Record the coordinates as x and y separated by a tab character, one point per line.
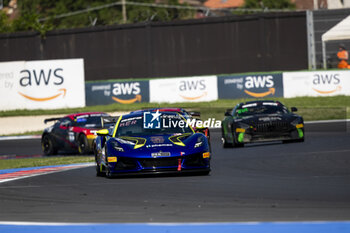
21	173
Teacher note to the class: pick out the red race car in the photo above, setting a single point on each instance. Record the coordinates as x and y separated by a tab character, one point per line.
73	133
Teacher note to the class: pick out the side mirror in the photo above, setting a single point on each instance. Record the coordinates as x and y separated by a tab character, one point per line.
294	109
103	132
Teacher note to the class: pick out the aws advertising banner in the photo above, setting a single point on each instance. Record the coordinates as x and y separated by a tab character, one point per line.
317	83
47	84
190	89
117	92
250	86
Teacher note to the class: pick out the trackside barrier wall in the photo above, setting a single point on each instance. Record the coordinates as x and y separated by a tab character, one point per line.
250	86
45	84
318	83
190	89
209	88
53	84
128	92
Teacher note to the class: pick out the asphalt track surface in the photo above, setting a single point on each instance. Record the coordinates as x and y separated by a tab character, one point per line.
307	181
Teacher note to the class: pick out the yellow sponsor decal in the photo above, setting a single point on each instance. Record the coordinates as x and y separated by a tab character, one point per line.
271	91
91	136
139	142
240	130
338	88
116	126
206	155
63	93
112	159
194	98
176	139
298	126
130	101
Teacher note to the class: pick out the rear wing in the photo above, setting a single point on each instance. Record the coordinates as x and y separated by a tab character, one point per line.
195	114
108	121
52	119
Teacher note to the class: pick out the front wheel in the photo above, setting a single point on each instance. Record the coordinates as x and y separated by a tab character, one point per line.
108	172
225	144
98	168
235	143
48	146
83	145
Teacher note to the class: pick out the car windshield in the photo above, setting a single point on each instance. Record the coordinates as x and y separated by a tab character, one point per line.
88	121
265	108
151	124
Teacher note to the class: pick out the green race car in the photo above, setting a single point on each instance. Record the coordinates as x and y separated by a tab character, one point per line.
261	121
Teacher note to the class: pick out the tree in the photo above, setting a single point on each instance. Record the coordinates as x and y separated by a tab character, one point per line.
269	4
4	23
106	16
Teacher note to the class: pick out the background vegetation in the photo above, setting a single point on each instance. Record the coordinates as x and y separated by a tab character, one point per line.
46	15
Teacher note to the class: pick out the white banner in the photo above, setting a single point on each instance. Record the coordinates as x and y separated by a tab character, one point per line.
49	84
191	89
317	83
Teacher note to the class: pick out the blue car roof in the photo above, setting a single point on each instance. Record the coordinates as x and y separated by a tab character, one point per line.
160	109
140	112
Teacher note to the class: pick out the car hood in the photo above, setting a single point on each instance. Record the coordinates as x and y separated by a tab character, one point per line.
266	118
158	145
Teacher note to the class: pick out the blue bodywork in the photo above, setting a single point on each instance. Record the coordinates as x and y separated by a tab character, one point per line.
158	153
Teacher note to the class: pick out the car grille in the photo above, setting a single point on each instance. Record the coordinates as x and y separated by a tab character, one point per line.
159	162
278	126
125	164
194	160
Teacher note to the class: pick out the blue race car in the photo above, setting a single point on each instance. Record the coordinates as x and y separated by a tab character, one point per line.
151	142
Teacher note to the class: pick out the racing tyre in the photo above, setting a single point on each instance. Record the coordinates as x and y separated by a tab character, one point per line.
83	145
47	145
108	172
98	169
94	149
107	169
225	144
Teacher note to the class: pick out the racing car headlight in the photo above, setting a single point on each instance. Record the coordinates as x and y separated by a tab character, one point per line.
199	142
116	146
298	123
242	127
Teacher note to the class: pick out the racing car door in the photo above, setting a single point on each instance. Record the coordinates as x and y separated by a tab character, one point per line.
60	132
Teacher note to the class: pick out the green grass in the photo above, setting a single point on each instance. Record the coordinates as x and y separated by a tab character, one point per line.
39	132
46	161
314	108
